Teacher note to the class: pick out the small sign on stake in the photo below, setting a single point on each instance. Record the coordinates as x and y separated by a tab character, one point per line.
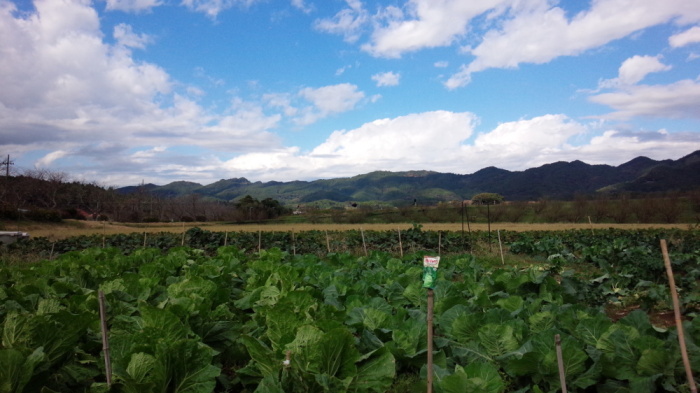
430	266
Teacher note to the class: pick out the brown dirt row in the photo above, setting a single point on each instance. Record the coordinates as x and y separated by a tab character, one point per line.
70	228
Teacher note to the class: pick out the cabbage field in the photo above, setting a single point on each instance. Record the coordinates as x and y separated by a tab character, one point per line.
214	312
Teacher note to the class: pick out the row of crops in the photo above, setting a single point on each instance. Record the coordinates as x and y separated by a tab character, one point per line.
362	242
215	318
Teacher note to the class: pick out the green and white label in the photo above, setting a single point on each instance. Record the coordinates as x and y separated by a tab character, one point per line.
430	266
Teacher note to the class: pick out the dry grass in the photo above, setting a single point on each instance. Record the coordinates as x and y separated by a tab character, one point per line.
70	228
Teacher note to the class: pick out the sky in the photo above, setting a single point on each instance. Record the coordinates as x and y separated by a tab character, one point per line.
120	92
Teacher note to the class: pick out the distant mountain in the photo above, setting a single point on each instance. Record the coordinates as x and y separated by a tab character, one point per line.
559	180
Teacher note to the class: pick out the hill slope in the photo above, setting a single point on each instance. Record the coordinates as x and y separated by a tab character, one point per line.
559	180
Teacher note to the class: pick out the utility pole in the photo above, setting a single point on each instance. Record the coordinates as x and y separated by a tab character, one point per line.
7	164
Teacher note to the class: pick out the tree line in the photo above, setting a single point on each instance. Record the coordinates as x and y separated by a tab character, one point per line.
670	207
44	195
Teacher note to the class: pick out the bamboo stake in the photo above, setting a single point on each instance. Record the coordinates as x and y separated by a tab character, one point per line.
51	254
439	242
294	244
677	313
144	239
103	234
590	223
400	244
431	299
105	340
328	243
182	242
560	362
364	245
226	239
500	245
259	240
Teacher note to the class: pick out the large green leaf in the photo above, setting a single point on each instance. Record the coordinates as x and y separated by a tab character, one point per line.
16	369
498	339
375	374
477	377
338	354
186	367
262	356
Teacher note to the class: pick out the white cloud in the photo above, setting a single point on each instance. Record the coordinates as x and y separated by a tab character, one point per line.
634	70
48	159
687	37
212	8
124	34
132	5
349	22
677	100
441	64
67	91
415	140
423	24
328	100
301	5
539	34
282	101
386	78
440	141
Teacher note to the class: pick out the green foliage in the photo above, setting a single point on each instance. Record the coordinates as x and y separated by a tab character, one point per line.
487	198
221	319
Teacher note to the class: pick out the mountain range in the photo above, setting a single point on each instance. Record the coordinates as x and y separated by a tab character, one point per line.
557	181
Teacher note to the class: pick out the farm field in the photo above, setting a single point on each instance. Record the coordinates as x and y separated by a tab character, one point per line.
70	228
276	312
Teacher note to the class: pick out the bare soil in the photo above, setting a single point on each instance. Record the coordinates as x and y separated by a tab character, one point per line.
69	228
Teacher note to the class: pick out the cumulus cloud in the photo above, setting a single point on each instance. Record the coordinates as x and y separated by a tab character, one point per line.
687	37
65	90
677	100
328	100
423	24
386	79
442	141
414	140
539	34
634	70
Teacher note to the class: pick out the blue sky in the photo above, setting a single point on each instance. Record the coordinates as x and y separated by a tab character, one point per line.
124	91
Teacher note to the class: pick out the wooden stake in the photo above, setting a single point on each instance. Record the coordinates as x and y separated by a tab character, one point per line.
226	239
105	340
294	244
500	245
590	223
400	244
560	362
677	313
364	245
328	243
439	242
259	240
431	299
144	239
51	254
182	242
